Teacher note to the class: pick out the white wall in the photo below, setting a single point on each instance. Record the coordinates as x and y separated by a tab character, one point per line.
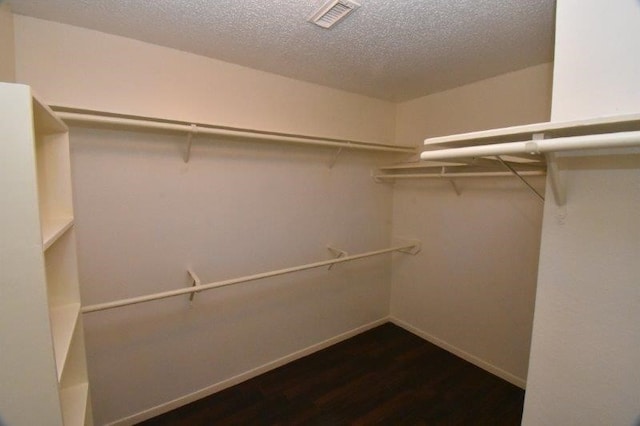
586	334
143	216
596	67
509	99
472	288
93	70
7	50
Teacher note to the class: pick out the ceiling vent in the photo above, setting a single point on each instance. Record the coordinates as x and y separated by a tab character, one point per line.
333	12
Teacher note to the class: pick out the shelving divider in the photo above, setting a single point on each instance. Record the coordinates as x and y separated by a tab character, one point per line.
74	400
64	320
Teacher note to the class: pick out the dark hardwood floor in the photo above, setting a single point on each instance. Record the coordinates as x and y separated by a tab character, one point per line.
385	376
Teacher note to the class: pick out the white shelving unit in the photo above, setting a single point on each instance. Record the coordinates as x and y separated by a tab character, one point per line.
42	358
535	142
543	140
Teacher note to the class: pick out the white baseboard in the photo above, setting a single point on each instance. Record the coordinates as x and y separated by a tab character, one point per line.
511	378
217	387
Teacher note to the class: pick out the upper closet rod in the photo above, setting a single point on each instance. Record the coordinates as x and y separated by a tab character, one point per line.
411	249
599	141
188	128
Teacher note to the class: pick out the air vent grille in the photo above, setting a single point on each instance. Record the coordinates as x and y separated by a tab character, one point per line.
333	12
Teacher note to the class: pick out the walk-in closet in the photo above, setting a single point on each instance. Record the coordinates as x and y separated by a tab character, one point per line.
423	212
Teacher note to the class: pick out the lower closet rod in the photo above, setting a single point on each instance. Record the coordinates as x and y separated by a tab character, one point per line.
181	291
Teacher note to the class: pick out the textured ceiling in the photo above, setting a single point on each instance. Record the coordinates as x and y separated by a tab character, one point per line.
388	49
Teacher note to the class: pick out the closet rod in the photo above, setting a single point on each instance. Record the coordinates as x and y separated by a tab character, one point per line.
189	128
217	284
458	175
599	141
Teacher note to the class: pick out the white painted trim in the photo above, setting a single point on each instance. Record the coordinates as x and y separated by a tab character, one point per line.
511	378
217	387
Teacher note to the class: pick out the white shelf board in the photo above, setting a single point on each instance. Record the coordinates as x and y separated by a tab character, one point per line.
423	164
63	323
104	119
457	175
619	123
74	404
54	228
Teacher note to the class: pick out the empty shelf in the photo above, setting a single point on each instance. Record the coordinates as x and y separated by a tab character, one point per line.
63	324
52	229
74	404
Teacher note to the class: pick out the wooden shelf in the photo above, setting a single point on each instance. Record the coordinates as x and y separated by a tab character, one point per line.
63	324
422	165
533	141
53	229
103	119
74	401
620	123
468	167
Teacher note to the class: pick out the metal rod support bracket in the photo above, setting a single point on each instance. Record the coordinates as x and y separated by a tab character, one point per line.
334	160
451	181
377	178
556	179
196	283
337	254
192	132
523	180
415	246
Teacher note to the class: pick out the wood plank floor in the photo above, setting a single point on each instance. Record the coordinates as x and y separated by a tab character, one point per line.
384	376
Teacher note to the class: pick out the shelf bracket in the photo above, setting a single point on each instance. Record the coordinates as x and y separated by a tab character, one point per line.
416	245
192	132
196	283
337	253
556	179
376	179
451	181
334	160
523	180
